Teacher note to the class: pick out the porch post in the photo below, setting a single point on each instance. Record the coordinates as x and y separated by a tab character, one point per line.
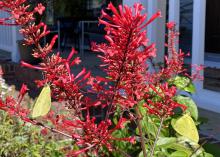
198	46
174	14
15	55
156	30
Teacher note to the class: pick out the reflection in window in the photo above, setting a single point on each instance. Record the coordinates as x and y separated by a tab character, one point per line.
186	26
186	19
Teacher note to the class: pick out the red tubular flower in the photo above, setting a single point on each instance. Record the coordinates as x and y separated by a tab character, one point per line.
31	66
39	8
23	91
171	25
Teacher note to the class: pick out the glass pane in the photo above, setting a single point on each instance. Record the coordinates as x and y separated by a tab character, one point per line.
186	26
212	46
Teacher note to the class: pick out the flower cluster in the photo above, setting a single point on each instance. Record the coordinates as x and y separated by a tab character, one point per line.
164	105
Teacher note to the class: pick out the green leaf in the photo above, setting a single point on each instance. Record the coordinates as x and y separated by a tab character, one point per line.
43	104
207	155
191	105
179	154
148	126
184	144
186	127
141	154
142	109
166	141
183	83
190	88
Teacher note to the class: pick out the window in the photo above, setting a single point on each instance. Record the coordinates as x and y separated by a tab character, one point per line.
80	9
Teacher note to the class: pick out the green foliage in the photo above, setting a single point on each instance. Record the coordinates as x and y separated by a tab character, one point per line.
122	145
179	154
213	149
24	140
191	106
183	83
179	135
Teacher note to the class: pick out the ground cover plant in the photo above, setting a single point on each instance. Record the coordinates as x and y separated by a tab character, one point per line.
19	140
147	111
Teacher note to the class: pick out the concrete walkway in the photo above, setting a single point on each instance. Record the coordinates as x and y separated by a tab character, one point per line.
211	127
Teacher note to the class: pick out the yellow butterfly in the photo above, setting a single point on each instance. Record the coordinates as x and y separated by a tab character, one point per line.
43	103
186	127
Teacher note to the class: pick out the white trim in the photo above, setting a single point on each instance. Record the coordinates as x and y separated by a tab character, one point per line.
198	46
174	15
212	64
156	30
152	31
15	55
174	12
208	100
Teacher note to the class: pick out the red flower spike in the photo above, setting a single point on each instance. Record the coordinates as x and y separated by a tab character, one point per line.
124	56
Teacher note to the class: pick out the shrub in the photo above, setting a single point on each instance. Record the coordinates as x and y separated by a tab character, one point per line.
145	113
24	140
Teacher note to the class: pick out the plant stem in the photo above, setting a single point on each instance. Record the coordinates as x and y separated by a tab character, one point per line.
52	129
119	76
140	131
157	136
122	152
198	148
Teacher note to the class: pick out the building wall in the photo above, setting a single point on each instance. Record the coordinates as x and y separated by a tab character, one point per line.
8	39
6	35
